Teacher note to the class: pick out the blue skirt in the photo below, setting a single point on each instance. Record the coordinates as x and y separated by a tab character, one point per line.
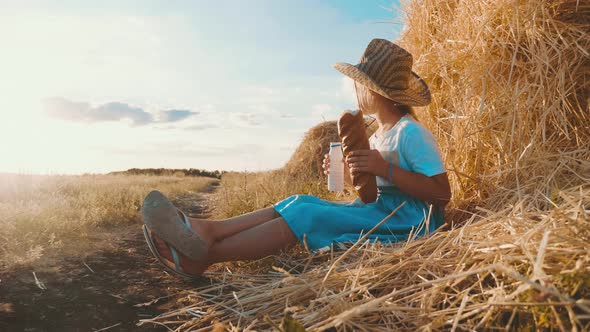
323	223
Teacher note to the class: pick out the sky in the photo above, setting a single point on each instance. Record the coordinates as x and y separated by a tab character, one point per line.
100	86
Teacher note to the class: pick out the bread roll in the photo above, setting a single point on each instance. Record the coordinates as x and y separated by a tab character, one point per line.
351	129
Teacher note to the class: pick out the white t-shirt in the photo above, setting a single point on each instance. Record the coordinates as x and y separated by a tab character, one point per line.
410	146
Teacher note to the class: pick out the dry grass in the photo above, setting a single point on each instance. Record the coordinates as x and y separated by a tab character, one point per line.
511	83
505	269
39	214
244	192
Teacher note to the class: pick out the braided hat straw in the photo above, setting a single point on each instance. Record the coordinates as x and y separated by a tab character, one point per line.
386	69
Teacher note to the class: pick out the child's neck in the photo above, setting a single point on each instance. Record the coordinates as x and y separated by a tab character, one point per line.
386	119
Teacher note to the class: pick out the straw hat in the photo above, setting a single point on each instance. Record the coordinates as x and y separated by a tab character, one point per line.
386	69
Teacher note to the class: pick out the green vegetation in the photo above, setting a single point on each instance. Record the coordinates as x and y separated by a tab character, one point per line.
170	172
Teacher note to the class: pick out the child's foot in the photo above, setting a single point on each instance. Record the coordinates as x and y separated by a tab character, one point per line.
187	265
201	227
171	225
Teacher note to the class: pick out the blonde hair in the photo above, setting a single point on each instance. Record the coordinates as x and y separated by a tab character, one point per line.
367	99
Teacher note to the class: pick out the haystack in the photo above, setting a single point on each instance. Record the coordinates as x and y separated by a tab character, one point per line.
510	83
308	157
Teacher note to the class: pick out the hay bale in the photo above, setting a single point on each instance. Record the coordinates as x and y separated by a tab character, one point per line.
510	83
308	158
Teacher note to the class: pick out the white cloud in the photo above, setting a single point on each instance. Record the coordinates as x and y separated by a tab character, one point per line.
202	126
64	109
175	115
245	119
265	109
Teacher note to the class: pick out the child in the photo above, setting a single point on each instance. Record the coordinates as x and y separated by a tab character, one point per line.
404	157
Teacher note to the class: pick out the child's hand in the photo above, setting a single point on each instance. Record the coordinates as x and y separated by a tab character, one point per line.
369	161
326	164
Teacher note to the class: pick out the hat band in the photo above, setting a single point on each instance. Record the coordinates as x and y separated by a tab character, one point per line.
392	87
400	89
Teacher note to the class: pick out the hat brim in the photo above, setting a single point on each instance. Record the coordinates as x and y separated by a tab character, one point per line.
417	93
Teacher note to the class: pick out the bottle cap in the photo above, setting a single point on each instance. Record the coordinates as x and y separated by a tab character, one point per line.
332	144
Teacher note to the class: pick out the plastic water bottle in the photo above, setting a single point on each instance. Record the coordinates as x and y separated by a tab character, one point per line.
336	175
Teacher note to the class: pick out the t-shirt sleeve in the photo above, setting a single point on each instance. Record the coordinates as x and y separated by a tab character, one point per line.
421	152
371	142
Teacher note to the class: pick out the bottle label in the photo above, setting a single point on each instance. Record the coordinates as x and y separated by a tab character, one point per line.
336	175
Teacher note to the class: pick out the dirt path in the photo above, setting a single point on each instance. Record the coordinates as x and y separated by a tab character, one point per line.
105	290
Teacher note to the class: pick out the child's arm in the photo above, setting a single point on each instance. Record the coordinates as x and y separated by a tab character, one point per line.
434	189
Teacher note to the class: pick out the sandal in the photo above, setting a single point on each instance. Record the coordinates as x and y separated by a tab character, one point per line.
177	270
161	217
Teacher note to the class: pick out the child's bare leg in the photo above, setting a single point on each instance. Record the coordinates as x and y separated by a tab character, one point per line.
259	241
216	230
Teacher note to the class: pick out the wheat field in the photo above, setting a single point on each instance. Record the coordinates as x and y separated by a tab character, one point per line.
59	214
